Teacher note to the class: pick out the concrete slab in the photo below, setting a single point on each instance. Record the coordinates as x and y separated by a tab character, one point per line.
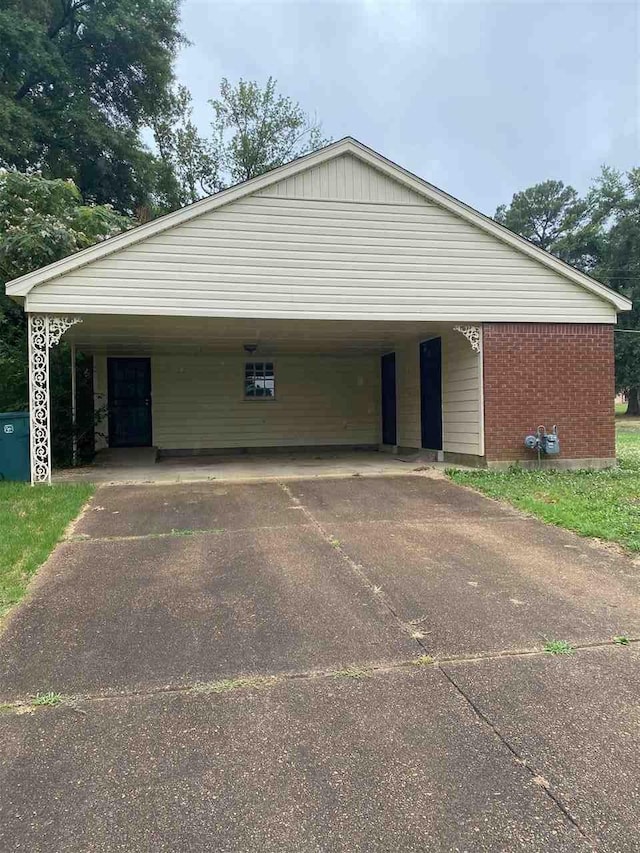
394	762
142	510
576	720
250	467
126	457
481	585
394	499
122	615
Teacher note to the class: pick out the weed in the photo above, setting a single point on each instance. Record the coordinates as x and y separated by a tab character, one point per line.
177	531
228	684
335	543
50	699
559	647
423	660
377	590
352	672
621	640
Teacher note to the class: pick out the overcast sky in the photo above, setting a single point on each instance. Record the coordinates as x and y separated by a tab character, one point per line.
480	98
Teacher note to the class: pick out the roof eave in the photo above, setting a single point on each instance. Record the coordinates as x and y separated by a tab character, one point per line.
20	287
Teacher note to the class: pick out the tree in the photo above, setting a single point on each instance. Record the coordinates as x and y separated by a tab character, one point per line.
600	235
614	209
254	130
41	221
188	157
547	214
78	81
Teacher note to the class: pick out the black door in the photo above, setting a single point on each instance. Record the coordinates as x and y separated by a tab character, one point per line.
431	393
388	385
129	381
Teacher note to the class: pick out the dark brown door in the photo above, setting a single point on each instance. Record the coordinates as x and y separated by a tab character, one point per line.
129	381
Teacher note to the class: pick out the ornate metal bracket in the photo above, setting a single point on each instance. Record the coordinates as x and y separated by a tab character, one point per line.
472	334
58	326
45	331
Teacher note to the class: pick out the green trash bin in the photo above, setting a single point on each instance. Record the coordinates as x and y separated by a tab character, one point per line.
14	446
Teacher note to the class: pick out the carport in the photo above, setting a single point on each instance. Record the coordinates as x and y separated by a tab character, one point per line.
335	301
181	388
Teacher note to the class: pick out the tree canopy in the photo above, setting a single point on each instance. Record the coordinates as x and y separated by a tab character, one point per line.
254	129
41	221
599	234
614	207
546	214
79	79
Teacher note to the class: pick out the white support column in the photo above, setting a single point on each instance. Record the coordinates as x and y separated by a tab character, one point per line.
45	331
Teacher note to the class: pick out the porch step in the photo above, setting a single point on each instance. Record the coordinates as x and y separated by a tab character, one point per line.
127	457
423	456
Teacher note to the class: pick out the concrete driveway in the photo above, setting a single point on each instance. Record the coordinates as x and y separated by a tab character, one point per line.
244	669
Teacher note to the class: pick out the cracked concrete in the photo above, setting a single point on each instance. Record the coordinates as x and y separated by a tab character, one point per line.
208	640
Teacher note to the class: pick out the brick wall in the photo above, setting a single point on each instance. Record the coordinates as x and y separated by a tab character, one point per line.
549	373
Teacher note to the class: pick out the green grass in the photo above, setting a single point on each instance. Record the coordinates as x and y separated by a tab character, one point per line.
227	684
49	699
352	672
621	640
604	504
423	660
559	647
32	520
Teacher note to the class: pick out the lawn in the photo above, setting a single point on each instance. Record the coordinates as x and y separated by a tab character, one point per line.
32	520
605	504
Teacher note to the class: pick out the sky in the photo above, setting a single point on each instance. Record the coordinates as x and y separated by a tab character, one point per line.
480	98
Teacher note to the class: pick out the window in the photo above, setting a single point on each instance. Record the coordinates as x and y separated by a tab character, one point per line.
259	380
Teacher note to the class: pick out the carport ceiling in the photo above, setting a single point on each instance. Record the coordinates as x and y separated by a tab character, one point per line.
120	333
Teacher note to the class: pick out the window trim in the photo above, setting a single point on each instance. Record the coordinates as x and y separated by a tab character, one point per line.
264	398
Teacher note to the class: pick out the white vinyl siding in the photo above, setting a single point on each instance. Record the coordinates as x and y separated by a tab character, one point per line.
462	414
198	399
344	179
269	256
198	402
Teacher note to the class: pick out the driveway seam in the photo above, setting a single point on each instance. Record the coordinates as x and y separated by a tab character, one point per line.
178	533
537	777
249	679
202	531
356	568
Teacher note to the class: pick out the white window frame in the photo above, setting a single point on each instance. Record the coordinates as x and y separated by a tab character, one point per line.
261	361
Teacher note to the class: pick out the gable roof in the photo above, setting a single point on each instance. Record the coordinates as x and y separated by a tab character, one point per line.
20	287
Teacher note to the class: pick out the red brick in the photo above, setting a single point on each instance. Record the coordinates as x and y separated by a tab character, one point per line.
548	373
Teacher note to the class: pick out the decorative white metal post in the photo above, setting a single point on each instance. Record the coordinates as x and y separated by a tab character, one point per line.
472	334
45	331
